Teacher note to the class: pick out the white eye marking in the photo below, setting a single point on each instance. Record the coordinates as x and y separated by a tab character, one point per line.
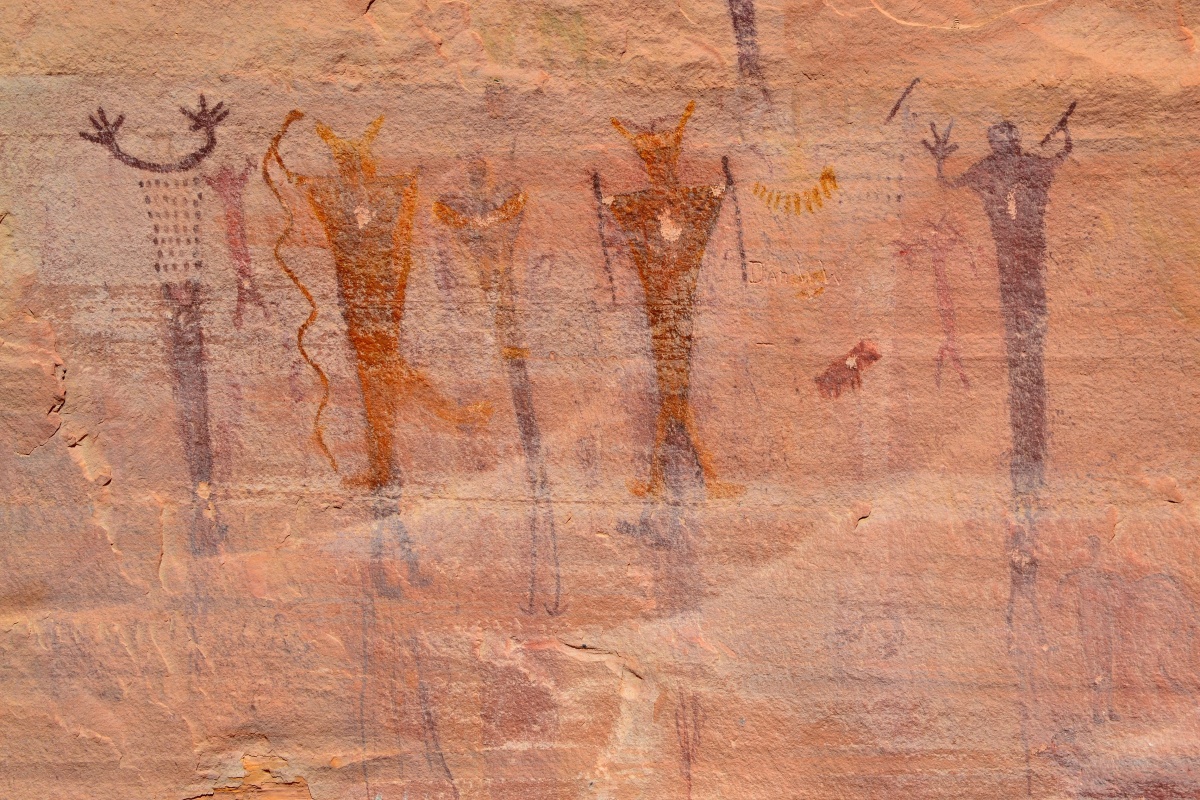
363	215
670	231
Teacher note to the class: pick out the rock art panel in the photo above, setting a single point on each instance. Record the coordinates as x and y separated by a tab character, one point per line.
511	401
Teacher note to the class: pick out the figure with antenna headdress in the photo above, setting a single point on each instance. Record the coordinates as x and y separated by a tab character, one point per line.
368	221
173	207
666	229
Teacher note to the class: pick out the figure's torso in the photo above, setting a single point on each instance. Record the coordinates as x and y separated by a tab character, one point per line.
667	232
488	227
1015	191
369	228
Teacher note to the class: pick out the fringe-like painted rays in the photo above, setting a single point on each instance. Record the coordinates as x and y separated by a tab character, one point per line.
796	202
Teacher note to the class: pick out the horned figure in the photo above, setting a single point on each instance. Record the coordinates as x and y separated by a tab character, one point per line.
485	221
174	210
666	229
367	218
368	222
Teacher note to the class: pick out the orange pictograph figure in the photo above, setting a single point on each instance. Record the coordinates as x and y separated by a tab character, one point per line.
368	221
666	228
485	221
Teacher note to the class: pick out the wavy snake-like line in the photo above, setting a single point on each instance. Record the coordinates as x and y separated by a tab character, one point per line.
273	151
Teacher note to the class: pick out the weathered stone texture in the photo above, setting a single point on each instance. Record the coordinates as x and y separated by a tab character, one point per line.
434	444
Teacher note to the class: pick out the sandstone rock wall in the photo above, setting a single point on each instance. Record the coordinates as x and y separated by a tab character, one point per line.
560	400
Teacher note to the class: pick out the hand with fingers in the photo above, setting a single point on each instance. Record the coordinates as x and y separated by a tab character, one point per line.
106	132
204	118
941	149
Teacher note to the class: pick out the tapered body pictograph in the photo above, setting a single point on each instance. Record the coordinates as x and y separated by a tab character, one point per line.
1015	189
666	229
368	222
485	221
367	219
174	211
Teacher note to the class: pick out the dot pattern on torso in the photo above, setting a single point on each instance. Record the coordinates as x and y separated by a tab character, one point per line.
173	207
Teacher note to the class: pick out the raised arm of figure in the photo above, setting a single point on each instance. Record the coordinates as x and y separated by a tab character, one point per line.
1061	155
203	119
941	149
509	209
1062	125
449	217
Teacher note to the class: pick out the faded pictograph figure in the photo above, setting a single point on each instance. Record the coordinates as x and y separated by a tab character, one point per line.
1136	634
485	220
402	750
1097	606
174	209
666	228
1023	621
1127	678
666	538
936	241
230	185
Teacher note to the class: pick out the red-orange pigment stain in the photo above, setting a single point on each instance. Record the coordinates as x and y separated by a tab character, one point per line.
846	372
